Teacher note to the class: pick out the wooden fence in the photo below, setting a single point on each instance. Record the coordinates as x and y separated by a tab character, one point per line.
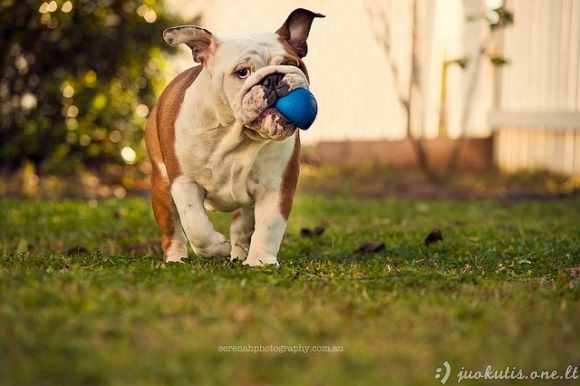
537	119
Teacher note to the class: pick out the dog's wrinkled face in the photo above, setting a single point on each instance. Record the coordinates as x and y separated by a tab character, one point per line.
249	74
262	73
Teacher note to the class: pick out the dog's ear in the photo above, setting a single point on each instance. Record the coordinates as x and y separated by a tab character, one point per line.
202	42
296	29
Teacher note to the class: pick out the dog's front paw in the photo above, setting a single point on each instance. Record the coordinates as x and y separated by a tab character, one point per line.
217	246
239	252
260	260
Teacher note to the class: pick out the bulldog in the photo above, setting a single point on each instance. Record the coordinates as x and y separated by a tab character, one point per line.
217	143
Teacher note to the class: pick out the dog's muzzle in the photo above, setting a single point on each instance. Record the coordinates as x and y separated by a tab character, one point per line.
254	103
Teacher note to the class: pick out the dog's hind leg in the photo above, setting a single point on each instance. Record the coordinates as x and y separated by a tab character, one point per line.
174	242
241	231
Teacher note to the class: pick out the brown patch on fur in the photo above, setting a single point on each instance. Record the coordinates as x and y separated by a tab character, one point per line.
160	189
168	107
292	54
290	180
160	141
290	176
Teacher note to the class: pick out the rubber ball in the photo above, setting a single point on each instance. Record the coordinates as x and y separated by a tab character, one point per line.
299	106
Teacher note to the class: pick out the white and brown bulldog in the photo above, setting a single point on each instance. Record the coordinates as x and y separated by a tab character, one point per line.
216	142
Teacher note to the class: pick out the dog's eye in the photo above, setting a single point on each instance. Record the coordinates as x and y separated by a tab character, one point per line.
243	73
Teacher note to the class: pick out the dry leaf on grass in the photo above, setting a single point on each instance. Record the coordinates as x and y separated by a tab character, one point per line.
306	232
434	237
371	247
573	271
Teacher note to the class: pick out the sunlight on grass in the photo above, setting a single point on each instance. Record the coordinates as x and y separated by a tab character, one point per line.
85	298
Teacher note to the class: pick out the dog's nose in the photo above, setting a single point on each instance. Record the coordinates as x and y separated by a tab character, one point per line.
272	80
274	85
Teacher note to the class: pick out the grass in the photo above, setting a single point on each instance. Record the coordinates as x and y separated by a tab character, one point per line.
85	299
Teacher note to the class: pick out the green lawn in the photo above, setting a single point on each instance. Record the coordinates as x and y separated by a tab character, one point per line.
85	298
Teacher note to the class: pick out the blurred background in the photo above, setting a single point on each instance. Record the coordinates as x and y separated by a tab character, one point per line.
441	86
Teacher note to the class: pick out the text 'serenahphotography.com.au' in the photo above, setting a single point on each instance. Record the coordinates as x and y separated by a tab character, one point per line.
281	349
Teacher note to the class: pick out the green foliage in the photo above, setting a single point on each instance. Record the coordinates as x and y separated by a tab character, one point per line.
461	62
78	79
496	20
82	302
499	61
502	17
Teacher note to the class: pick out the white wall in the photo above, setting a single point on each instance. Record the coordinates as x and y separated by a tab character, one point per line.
350	75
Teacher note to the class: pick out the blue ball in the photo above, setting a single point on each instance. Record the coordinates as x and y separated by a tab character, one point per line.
299	106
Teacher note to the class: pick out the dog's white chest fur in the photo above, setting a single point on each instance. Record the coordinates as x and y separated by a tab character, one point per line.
231	167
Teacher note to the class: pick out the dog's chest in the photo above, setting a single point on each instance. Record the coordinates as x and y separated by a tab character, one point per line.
232	168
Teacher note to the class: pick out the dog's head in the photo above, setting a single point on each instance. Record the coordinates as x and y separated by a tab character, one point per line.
249	73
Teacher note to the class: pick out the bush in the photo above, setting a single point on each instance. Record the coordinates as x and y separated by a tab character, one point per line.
79	78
